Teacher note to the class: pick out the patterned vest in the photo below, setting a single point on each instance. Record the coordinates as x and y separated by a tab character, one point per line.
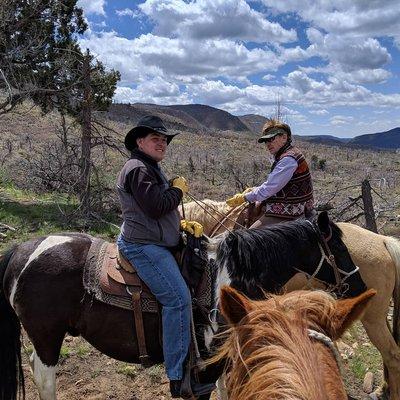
297	196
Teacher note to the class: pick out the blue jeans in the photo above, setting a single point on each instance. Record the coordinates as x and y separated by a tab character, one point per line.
158	269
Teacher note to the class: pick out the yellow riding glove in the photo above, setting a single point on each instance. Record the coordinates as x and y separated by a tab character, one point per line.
193	227
236	200
180	183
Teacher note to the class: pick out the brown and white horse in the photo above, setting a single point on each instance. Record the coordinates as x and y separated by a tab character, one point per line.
281	348
41	287
378	259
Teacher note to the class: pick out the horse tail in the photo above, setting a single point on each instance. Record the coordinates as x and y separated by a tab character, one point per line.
12	385
393	247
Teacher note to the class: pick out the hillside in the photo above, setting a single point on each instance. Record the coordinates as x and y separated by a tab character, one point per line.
254	122
325	139
212	117
389	140
384	140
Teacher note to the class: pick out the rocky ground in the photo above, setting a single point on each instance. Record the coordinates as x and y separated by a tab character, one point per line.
84	373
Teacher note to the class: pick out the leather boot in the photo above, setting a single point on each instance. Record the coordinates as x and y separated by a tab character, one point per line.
175	388
198	389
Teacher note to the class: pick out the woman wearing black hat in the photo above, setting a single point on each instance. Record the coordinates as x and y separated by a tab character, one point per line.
287	193
150	228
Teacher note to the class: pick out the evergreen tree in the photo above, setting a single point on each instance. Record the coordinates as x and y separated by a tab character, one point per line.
40	60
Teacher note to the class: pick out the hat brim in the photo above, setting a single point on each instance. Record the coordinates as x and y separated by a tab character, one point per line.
264	138
142	130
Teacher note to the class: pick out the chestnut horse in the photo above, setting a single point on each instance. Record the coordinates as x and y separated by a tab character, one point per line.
378	259
281	348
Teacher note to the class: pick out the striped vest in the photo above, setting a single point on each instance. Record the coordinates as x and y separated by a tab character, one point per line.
297	195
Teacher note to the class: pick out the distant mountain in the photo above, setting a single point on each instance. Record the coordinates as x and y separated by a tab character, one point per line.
212	117
384	140
254	122
173	119
200	118
325	139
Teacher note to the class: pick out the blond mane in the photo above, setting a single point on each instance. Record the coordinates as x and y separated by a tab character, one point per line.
217	209
270	355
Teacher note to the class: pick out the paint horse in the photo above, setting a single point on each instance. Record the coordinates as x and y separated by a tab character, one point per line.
42	289
378	259
282	347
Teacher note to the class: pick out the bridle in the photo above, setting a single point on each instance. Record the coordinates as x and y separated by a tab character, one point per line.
328	342
341	276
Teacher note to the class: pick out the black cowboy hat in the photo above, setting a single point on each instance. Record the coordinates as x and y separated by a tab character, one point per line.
146	125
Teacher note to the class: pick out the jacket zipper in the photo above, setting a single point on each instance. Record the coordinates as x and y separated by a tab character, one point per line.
161	232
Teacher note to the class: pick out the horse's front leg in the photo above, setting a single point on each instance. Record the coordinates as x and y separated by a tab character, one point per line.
382	339
44	377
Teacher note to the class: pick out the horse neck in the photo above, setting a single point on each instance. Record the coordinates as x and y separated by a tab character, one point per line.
289	368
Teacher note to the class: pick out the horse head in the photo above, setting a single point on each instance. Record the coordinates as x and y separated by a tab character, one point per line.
279	340
257	260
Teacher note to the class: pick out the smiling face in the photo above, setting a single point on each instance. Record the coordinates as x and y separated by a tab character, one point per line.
276	143
154	145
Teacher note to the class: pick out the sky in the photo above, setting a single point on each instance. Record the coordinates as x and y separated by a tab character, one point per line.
334	65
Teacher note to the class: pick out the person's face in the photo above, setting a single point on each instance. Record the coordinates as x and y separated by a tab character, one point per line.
154	145
275	143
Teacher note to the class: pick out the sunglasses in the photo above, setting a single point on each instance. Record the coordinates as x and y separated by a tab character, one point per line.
269	140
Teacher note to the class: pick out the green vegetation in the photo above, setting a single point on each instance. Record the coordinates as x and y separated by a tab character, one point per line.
65	352
33	215
128	370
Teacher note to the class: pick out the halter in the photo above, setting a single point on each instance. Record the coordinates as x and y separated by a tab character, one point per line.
328	342
326	255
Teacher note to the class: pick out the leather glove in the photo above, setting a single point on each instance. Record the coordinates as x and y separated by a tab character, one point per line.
180	183
193	227
238	198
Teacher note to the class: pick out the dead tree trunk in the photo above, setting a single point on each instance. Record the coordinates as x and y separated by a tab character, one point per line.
370	222
86	140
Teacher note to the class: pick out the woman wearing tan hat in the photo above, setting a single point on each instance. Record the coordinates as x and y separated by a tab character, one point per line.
150	228
287	193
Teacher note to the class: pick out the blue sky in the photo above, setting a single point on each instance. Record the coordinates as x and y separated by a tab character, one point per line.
334	65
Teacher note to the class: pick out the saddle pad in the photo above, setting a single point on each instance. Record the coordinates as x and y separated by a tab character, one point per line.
115	293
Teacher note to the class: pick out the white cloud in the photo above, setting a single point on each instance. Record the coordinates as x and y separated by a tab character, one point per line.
341	120
214	19
349	53
180	60
319	112
356	17
157	91
128	12
92	6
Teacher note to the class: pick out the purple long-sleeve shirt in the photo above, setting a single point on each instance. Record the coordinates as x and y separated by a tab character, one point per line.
276	180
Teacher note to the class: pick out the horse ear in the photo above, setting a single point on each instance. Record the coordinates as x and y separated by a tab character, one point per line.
323	222
348	311
234	306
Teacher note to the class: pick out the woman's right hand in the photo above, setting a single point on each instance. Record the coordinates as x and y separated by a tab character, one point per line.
180	183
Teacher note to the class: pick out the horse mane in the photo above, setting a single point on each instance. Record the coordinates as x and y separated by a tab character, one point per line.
270	354
217	209
251	256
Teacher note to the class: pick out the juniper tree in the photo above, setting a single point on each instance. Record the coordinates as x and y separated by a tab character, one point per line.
40	60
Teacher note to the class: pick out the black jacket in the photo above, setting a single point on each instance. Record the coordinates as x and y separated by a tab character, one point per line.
149	205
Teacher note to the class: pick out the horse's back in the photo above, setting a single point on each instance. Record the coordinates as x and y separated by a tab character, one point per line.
365	246
50	264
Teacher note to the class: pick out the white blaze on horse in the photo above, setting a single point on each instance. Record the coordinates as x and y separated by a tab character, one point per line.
378	259
42	288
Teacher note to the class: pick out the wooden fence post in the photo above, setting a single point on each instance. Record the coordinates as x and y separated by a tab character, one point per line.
370	222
